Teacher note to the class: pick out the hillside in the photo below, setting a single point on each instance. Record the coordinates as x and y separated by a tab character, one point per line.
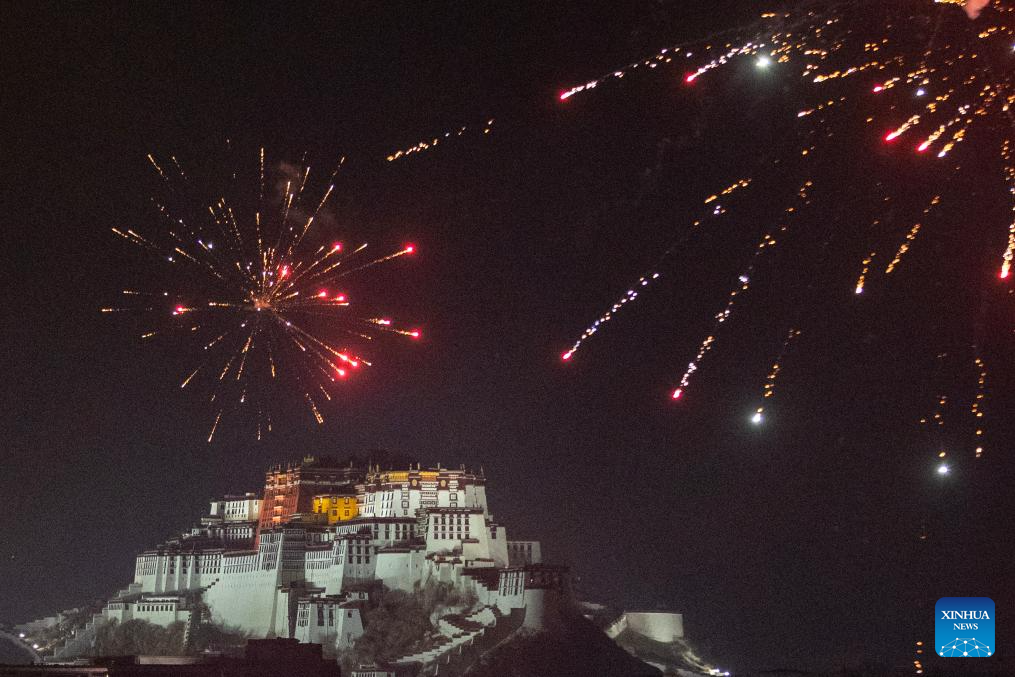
577	649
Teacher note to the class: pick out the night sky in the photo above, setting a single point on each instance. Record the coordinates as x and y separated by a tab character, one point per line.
793	544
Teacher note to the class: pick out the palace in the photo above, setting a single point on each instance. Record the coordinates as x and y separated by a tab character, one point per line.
299	561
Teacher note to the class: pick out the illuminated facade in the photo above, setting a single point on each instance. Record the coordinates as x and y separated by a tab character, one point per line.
290	491
336	508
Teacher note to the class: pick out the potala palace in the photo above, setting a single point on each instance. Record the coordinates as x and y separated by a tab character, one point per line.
297	560
306	558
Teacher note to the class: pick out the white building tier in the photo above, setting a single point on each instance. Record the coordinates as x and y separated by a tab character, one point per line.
328	621
402	493
161	610
468	532
521	553
245	508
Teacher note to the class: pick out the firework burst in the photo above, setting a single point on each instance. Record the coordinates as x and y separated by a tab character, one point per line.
258	293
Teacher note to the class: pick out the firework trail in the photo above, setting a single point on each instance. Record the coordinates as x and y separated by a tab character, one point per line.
433	142
715	209
766	244
953	83
773	375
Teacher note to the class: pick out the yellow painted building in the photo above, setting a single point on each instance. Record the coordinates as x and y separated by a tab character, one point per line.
336	508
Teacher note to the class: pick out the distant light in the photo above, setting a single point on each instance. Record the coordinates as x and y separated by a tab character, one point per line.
921	92
341	372
690	78
337	247
757	418
943	469
678	393
566	356
211	245
878	88
322	294
859	289
21	635
414	333
410	248
891	136
35	646
340	298
763	62
923	146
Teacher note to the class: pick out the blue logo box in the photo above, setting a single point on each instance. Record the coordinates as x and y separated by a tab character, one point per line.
964	627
